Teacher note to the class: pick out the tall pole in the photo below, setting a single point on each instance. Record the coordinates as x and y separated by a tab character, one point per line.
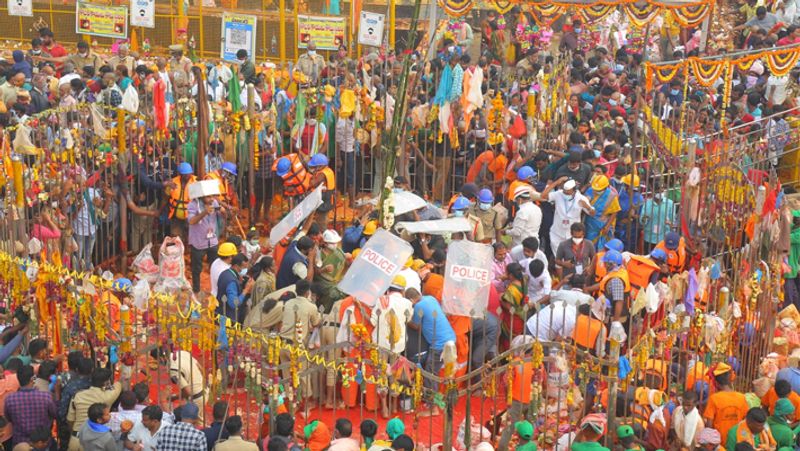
392	24
389	142
282	29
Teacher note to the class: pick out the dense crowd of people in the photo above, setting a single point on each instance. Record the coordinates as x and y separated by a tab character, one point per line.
580	222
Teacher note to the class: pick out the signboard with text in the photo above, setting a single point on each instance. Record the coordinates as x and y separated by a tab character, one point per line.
101	20
327	32
467	278
372	271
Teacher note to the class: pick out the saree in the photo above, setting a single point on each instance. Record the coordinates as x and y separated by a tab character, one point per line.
600	226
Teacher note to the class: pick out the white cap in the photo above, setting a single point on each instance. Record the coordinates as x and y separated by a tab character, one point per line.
569	185
523	191
330	236
757	67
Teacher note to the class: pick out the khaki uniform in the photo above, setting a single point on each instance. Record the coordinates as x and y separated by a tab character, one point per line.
89	60
79	408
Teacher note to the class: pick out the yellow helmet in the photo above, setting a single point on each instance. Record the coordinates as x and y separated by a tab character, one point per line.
627	180
600	183
227	250
370	228
398	282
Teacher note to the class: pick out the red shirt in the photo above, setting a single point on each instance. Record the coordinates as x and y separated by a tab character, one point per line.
57	50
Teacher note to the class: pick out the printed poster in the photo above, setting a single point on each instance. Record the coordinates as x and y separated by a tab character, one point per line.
101	20
143	13
20	8
370	29
327	32
238	32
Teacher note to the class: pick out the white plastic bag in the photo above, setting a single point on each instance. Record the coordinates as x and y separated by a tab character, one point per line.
145	265
141	294
130	100
652	300
171	267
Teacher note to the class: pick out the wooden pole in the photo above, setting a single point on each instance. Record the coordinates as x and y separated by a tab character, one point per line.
251	147
282	30
202	122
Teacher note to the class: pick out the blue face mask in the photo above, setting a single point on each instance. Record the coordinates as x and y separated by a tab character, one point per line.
612	102
675	92
485	206
458	213
578	30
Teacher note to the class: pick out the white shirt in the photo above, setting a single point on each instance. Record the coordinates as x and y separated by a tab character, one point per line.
387	307
83	224
115	423
567	212
553	321
412	279
526	223
518	255
776	89
217	267
140	434
538	287
187	372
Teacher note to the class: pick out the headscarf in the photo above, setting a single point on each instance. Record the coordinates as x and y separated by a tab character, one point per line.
783	408
317	435
597	421
395	428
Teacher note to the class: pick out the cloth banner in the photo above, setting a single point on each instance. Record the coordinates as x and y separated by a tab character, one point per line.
437	226
372	271
467	278
101	20
296	216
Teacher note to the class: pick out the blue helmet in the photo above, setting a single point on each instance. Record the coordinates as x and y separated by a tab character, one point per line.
318	160
613	256
525	172
229	167
122	284
658	254
283	166
614	245
485	196
185	169
461	203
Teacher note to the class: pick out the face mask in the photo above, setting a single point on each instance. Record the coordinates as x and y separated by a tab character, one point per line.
458	213
485	206
36	52
578	30
254	242
331	245
312	52
84	55
577	240
312	122
612	102
658	196
569	197
674	92
751	81
243	272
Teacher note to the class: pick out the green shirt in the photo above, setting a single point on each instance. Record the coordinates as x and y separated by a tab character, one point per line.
587	446
781	432
730	441
530	446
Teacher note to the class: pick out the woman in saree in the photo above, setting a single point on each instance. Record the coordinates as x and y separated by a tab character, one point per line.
605	201
513	302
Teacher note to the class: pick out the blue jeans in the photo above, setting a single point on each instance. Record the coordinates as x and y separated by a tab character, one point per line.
85	249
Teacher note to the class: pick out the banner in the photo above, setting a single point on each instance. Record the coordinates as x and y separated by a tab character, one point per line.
436	226
370	29
296	216
467	278
143	13
20	8
327	32
372	271
101	20
238	32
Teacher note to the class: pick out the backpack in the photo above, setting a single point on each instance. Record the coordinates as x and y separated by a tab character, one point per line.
351	238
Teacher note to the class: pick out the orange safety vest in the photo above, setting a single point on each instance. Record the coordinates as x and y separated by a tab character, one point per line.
743	434
676	260
640	269
599	267
297	181
179	198
586	331
330	178
620	273
523	379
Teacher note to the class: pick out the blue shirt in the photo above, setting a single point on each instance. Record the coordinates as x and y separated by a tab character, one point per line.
442	332
653	218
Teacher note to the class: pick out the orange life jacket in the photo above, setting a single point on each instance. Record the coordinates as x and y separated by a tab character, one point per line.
522	381
676	260
297	181
179	198
599	267
330	178
657	370
620	273
640	269
586	331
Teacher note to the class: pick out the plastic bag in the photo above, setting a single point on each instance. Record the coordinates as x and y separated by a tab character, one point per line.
141	294
130	100
171	267
146	268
